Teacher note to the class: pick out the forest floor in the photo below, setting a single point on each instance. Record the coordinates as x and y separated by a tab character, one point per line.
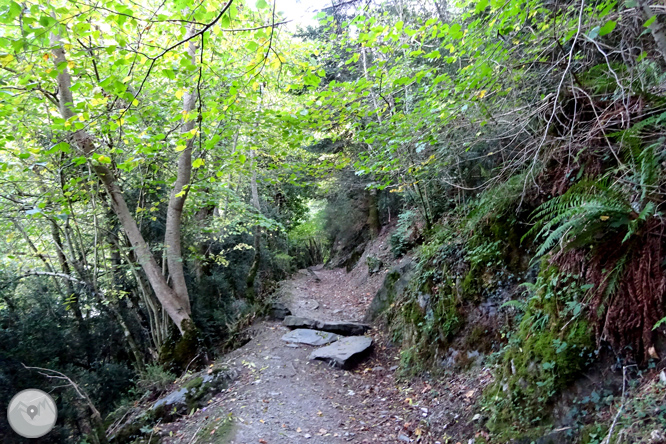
280	396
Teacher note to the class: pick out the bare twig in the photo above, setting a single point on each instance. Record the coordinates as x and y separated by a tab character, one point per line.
53	374
617	415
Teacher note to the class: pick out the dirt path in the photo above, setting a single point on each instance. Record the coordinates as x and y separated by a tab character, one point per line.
281	396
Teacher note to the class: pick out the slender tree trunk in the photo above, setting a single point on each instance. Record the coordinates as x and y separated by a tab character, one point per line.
115	304
85	142
36	251
256	262
372	90
441	7
72	299
174	255
72	296
201	267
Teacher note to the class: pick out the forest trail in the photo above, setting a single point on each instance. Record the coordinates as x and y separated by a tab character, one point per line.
281	396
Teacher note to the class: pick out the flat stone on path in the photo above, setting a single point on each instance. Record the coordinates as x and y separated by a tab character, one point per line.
298	322
310	337
338	327
343	328
345	352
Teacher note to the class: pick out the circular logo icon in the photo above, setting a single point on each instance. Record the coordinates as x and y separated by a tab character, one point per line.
32	413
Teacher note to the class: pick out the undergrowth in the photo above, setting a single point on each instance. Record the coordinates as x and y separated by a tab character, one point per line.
590	260
551	346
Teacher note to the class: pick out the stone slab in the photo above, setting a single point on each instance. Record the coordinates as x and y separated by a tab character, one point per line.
345	352
343	328
310	337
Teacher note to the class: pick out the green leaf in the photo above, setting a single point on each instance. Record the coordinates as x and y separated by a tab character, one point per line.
60	147
481	6
46	21
607	28
261	4
650	21
9	13
198	163
659	323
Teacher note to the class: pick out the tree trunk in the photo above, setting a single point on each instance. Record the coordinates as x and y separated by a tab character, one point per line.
201	263
115	305
72	298
85	142
372	90
174	255
35	251
254	268
441	7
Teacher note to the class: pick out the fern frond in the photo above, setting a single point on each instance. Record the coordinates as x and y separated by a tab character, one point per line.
578	214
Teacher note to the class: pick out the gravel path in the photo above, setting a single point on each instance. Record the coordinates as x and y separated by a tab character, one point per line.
280	395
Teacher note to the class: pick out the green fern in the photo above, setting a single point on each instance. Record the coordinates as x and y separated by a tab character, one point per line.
578	216
592	208
659	323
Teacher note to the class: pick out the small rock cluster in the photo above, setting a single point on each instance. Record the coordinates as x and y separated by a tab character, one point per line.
343	343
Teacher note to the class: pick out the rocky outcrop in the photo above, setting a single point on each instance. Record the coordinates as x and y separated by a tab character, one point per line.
338	327
395	283
344	353
299	322
194	394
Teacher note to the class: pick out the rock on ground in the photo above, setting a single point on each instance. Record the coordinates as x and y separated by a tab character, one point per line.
344	353
278	311
196	392
339	327
310	337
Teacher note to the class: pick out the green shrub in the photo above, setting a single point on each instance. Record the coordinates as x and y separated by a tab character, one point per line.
404	236
155	378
